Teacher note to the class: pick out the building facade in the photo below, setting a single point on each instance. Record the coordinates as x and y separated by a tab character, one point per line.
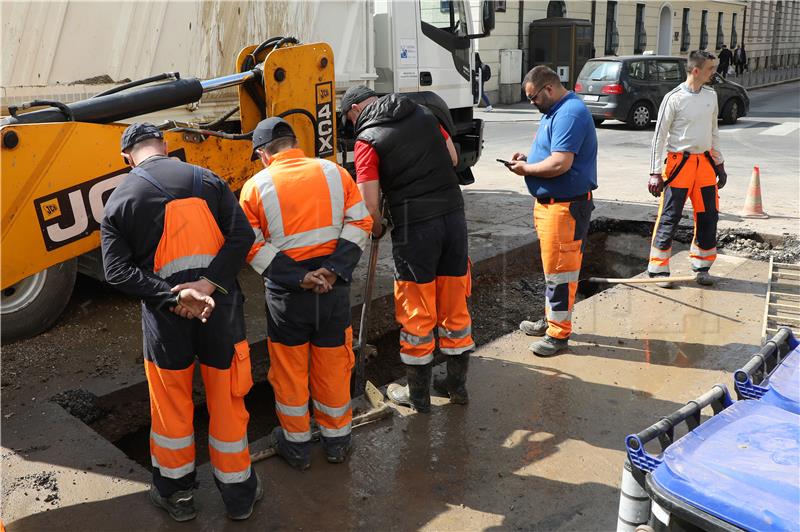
772	34
770	30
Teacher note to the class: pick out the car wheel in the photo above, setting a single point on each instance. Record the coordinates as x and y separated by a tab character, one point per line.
598	121
640	115
731	111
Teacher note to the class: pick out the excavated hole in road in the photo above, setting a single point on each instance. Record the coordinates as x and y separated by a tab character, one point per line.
506	290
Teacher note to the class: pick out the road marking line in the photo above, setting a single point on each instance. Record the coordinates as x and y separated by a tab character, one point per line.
781	129
740	126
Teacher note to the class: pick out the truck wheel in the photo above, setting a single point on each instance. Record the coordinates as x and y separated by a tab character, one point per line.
731	111
640	115
34	304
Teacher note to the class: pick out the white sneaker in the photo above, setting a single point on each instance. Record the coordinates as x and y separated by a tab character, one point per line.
489	109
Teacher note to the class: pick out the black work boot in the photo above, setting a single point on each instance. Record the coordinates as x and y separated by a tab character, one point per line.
417	393
247	512
454	384
179	505
297	455
337	448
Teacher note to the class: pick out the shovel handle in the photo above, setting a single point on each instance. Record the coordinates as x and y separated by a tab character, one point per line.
641	280
375	414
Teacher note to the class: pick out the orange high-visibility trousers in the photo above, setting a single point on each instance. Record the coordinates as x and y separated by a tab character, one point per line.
697	181
432	284
310	345
562	228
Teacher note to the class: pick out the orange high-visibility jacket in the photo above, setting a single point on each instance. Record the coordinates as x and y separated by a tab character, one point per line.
306	213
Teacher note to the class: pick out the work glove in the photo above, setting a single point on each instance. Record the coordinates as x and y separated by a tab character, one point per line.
722	176
655	185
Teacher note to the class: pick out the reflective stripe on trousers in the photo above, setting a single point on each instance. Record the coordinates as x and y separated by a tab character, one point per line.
659	260
225	452
562	228
176	455
701	258
333	421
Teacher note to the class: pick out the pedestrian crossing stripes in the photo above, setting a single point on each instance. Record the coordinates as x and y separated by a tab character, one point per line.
782	129
777	130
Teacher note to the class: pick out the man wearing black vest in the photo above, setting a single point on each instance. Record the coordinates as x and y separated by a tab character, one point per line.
402	151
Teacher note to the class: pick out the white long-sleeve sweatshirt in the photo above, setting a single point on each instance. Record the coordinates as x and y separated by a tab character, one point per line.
687	121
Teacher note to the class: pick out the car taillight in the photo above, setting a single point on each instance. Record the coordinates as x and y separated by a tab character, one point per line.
614	88
578	87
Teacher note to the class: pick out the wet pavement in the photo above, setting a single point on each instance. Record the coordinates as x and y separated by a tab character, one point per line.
540	446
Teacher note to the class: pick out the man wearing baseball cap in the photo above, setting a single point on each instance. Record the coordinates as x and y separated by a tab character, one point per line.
311	227
174	236
402	151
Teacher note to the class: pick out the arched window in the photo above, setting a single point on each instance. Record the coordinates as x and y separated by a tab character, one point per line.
556	9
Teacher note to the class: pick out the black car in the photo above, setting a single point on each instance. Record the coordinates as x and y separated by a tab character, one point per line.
630	88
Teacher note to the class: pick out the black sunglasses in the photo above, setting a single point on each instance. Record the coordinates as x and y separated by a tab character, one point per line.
533	98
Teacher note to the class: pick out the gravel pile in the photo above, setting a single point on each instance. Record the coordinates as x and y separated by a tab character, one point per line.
746	243
79	403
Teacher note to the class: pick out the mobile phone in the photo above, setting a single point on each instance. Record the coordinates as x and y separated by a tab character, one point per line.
502	161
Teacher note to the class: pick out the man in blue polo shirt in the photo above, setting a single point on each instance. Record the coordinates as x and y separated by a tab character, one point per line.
561	172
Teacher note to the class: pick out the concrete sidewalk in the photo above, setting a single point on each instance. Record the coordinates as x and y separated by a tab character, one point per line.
540	446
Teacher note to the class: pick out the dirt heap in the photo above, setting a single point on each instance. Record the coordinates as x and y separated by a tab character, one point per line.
79	403
748	243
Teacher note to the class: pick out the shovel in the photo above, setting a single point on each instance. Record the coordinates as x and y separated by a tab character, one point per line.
364	350
379	409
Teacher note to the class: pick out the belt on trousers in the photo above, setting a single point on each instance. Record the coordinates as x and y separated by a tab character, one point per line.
681	164
545	199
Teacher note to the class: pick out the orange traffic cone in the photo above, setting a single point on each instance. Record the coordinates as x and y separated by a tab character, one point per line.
752	202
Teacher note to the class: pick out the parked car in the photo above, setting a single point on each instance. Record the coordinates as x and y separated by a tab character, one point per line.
630	88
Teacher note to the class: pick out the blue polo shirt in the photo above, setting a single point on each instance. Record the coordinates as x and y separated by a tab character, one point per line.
566	127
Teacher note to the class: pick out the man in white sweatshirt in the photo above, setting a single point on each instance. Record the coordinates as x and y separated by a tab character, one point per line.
693	168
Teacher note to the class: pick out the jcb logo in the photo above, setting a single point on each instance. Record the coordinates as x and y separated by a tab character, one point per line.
324	133
73	213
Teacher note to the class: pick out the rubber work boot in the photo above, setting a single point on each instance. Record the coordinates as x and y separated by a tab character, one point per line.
704	278
454	384
258	496
179	505
548	346
297	459
417	393
663	284
337	454
534	328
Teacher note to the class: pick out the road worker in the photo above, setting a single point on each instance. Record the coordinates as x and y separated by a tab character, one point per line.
311	227
402	151
561	172
694	169
173	235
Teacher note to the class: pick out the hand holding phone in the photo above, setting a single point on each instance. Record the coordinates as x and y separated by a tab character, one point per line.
503	161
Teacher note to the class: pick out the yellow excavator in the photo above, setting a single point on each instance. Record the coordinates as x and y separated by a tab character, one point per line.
60	163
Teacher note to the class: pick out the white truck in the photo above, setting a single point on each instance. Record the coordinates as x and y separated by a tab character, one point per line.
70	51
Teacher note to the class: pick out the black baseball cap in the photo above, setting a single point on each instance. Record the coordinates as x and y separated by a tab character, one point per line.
270	129
353	96
137	132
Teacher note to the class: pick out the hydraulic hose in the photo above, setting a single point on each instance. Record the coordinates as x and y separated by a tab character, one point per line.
136	83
